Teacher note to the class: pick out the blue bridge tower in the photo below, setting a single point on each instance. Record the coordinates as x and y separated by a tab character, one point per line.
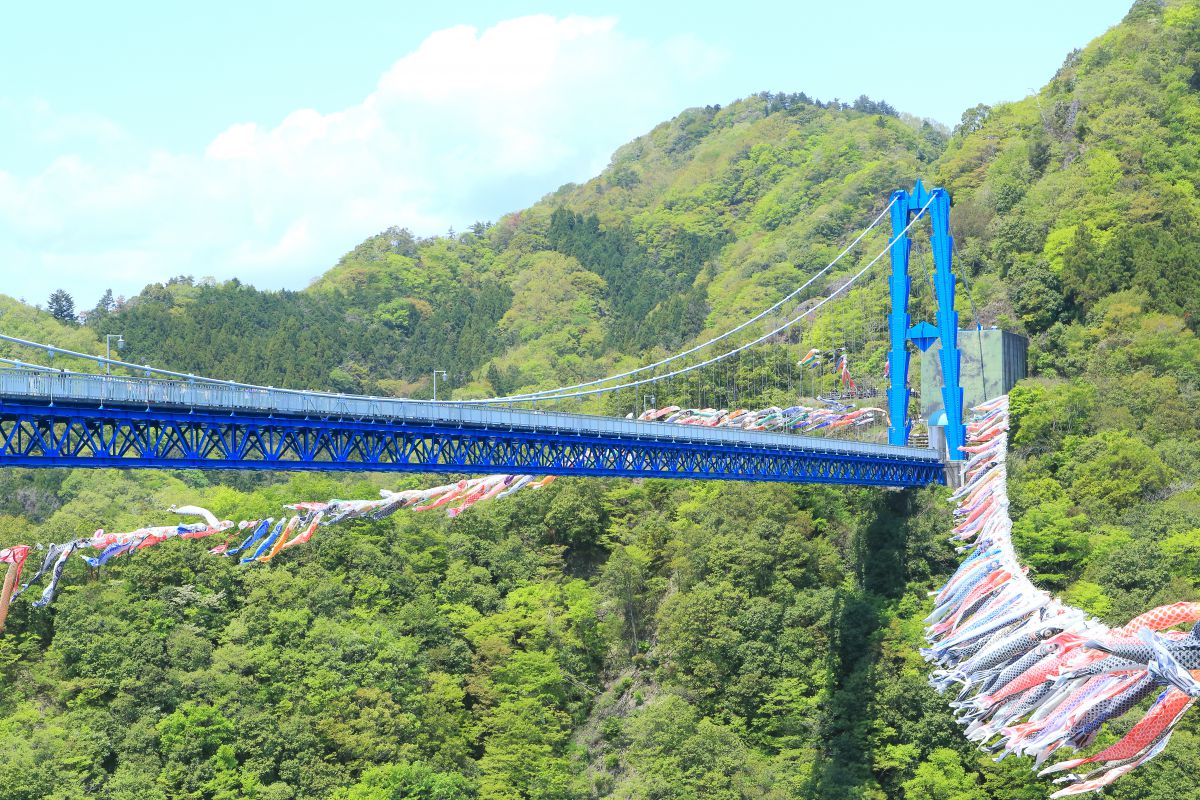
936	203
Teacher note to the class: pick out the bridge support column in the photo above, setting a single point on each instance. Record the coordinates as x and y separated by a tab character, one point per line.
900	289
947	324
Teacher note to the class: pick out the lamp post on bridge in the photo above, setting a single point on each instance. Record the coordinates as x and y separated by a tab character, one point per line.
108	337
437	372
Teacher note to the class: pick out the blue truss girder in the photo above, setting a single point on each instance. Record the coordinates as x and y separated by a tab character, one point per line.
33	435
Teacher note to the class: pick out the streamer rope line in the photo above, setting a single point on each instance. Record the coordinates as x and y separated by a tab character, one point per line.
1033	674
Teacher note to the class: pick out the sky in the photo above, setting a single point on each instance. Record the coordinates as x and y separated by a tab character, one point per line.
144	140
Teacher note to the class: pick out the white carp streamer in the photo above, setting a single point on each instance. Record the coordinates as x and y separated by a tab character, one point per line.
1035	675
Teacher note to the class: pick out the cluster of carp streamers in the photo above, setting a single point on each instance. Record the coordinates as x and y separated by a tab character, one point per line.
1034	675
263	539
799	418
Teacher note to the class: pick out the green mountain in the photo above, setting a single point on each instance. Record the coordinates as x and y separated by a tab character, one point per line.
646	639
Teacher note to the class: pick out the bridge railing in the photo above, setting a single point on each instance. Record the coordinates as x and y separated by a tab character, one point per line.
211	397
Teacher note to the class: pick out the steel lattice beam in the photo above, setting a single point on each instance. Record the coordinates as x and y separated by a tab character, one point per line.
77	436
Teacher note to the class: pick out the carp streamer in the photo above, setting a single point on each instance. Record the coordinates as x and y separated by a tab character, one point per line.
798	418
1032	675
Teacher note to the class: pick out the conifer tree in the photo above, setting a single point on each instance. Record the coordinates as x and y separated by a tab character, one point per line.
62	307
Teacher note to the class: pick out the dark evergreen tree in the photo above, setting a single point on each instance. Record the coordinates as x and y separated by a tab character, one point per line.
62	307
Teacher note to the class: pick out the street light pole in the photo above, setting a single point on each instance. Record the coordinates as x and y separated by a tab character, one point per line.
108	337
437	372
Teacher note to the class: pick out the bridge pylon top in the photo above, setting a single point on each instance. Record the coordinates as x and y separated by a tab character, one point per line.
919	197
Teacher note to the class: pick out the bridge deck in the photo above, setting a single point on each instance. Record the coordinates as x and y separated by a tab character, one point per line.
72	419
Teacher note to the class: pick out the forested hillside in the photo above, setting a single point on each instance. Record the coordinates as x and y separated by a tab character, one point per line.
651	639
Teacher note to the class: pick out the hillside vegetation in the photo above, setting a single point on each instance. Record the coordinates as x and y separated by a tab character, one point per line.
646	640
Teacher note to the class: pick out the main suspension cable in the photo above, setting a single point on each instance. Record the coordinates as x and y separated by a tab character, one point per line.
791	295
728	353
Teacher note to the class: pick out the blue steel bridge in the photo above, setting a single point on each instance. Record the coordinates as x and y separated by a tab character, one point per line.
54	418
51	419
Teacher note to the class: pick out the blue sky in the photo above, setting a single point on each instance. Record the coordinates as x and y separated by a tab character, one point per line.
263	140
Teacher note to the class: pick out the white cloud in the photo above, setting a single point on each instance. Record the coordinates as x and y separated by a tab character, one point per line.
467	126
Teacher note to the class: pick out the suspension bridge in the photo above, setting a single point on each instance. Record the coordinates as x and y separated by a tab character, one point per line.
144	417
1015	651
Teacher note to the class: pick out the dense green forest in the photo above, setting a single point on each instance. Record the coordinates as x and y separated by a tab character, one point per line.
645	640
